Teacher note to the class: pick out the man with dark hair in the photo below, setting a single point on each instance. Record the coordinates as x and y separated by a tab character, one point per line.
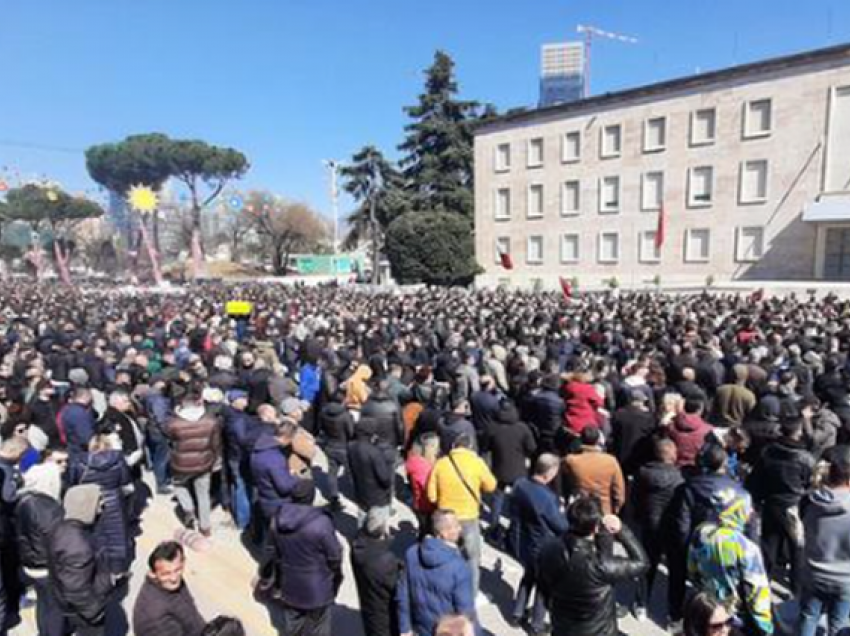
77	423
578	572
224	626
780	479
371	470
376	571
165	606
632	427
825	513
436	580
594	472
689	430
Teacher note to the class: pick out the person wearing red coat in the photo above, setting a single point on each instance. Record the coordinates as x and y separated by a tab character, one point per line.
688	431
583	403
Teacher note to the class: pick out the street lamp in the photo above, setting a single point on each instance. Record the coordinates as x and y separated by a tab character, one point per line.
333	166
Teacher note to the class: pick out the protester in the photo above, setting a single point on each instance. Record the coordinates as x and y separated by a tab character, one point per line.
436	580
11	451
594	472
371	470
164	606
577	572
376	572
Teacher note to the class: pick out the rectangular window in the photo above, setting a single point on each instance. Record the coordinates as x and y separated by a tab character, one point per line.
503	157
570	198
753	185
503	246
611	143
749	244
609	194
535	201
652	191
700	186
570	248
571	147
698	246
648	251
758	118
609	247
535	152
534	250
502	204
655	134
703	126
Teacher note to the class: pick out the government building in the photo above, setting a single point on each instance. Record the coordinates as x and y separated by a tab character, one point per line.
745	171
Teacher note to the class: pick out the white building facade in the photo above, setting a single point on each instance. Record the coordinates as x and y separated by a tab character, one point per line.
751	166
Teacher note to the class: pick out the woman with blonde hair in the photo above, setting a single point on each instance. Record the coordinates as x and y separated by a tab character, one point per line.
356	389
420	462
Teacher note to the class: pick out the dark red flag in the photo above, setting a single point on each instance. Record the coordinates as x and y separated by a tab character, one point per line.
506	260
660	229
566	287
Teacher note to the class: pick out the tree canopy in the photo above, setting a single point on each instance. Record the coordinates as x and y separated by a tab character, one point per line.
138	160
434	248
39	206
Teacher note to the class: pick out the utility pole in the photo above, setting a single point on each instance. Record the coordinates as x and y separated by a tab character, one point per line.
333	167
589	33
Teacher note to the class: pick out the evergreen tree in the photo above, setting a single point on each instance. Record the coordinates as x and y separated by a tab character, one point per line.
438	162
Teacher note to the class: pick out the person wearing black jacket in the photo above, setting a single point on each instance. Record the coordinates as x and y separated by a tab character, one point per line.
85	588
654	491
11	451
512	445
371	471
547	413
389	424
780	479
336	430
37	515
578	572
376	571
631	431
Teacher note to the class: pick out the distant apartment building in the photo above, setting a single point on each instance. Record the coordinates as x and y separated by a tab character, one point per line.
750	164
561	73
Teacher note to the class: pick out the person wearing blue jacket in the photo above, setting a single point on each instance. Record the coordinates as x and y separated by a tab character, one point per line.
437	579
270	468
77	423
240	429
536	518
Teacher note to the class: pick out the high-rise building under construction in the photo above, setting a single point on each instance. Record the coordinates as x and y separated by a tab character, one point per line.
561	73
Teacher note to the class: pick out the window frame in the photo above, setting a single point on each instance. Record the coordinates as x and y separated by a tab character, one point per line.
692	202
744	200
687	255
643	181
746	132
498	255
603	151
564	145
602	208
562	241
539	163
739	255
647	149
600	241
656	255
577	210
496	200
695	143
498	166
528	242
528	197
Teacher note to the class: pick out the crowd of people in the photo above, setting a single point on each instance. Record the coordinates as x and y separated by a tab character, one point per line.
597	441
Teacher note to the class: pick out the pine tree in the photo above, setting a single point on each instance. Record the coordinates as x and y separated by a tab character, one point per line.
438	165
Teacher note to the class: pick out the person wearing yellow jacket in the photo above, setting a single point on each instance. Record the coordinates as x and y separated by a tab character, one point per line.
457	483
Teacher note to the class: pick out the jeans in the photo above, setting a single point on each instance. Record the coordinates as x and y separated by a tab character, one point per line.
833	598
523	594
472	548
240	504
497	506
201	486
48	615
11	587
159	452
337	459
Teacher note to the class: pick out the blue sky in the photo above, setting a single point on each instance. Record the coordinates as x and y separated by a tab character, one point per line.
291	82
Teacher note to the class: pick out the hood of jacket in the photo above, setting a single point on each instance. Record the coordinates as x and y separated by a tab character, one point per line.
366	428
785	450
82	503
291	517
192	413
103	460
830	503
362	374
335	410
730	506
688	422
434	553
265	442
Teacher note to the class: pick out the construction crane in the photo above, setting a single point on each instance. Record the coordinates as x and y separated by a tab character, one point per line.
590	32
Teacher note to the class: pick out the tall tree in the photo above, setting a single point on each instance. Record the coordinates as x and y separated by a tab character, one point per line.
284	227
438	161
49	207
377	187
205	170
